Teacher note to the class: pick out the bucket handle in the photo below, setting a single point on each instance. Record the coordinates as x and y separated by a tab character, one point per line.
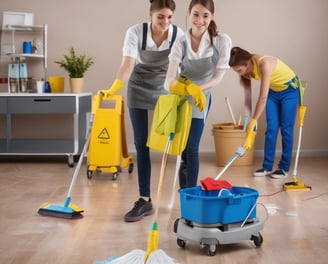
252	209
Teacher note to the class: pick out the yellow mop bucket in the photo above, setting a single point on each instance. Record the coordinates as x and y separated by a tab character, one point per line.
172	114
108	149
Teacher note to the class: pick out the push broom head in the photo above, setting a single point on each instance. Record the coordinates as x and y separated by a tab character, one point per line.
296	185
70	212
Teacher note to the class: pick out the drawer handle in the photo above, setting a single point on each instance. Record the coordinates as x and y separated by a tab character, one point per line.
42	100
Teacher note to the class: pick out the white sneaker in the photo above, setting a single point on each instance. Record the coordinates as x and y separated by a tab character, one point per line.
261	173
279	174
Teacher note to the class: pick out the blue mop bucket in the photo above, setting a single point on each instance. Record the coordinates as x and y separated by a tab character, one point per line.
208	207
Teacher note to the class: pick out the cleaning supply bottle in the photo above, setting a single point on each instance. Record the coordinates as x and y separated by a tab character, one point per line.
47	88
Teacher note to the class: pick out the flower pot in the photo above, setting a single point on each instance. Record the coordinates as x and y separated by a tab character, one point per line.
76	85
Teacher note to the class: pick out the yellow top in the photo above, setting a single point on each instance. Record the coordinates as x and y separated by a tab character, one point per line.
281	77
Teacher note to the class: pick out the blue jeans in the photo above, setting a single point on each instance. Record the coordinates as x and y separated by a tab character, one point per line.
281	110
139	120
189	168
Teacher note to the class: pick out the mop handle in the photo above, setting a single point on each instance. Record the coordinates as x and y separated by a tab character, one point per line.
230	111
162	174
234	156
78	166
177	167
297	152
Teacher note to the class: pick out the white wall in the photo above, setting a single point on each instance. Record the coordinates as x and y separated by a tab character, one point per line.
293	30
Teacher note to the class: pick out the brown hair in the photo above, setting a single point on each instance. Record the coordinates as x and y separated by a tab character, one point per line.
239	56
156	5
208	4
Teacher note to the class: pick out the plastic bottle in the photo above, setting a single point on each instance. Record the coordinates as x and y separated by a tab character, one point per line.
47	88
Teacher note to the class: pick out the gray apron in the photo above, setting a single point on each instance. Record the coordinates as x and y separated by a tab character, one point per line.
146	83
199	71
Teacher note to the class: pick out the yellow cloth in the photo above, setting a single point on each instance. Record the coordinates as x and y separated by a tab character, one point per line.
172	114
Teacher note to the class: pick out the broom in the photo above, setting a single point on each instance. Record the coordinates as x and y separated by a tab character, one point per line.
153	255
70	210
297	185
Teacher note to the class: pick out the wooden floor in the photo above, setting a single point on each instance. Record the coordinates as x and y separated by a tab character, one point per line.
296	230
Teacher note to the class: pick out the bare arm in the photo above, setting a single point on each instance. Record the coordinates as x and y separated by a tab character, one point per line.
246	83
171	74
215	80
125	69
267	66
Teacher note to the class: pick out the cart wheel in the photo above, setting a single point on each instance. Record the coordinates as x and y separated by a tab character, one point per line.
181	243
115	175
211	250
70	161
130	169
175	226
89	174
258	240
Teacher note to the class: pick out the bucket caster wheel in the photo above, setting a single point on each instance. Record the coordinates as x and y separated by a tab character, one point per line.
89	173
258	240
212	250
70	161
115	175
130	168
181	243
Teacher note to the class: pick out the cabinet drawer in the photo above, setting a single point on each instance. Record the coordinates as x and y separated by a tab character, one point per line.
41	104
3	105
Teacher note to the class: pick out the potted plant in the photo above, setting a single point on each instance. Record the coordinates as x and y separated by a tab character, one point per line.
76	66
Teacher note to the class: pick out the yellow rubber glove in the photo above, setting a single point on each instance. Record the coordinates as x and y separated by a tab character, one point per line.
184	80
250	134
178	88
197	94
116	86
301	114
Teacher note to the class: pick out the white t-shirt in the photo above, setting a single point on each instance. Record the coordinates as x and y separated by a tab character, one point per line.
133	41
205	50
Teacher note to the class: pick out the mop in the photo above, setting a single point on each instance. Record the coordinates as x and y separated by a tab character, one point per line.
70	210
297	185
153	255
165	124
210	184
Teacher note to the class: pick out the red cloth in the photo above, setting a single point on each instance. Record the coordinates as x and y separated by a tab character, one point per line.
210	184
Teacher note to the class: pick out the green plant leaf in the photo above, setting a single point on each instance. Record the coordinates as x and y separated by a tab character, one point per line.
75	65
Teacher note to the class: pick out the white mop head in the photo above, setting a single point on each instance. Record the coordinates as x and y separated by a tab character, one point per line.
136	256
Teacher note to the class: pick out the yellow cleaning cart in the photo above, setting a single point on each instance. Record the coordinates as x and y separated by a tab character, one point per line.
108	149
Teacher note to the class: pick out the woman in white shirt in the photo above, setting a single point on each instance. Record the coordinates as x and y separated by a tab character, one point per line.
198	61
143	69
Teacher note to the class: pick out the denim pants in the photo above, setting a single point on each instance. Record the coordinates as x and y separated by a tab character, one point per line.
281	110
189	168
139	120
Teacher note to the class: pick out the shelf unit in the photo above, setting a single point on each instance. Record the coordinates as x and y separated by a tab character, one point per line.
12	37
25	121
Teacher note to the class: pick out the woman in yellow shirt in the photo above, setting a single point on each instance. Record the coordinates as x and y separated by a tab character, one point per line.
279	96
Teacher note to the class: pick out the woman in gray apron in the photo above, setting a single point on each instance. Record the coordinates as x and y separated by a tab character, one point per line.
144	65
202	56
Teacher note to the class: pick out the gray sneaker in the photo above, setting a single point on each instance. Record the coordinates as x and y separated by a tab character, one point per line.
261	173
140	209
279	174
